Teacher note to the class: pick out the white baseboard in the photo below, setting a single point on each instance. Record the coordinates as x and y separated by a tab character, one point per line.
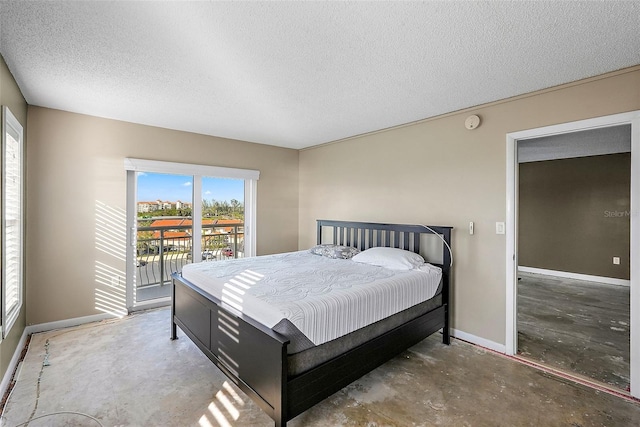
576	276
6	379
482	342
49	326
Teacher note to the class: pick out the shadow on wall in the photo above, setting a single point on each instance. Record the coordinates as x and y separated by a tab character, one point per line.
110	282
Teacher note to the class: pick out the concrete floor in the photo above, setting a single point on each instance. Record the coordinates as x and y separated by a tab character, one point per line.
128	373
575	326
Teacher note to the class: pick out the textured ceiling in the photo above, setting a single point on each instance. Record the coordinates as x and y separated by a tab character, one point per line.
298	74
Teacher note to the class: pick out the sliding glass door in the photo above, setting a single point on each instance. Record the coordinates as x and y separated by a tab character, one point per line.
178	214
164	231
222	218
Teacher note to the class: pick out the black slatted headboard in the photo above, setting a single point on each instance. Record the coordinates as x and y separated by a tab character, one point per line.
365	235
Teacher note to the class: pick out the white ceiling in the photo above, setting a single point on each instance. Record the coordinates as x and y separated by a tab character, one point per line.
591	142
298	74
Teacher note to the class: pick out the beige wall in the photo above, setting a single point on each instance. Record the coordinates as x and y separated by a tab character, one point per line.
76	173
11	96
437	172
433	172
574	215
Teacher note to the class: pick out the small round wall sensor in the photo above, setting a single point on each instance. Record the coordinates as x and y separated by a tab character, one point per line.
472	122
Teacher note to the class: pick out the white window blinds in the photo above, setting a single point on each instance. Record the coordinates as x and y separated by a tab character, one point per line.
12	237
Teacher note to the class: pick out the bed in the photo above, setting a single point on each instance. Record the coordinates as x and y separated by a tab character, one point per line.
287	365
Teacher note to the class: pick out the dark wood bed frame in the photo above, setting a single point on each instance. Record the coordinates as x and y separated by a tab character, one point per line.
254	357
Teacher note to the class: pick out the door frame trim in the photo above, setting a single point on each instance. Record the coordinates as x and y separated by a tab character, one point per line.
632	118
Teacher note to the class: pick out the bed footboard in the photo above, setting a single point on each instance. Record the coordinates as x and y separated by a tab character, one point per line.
249	354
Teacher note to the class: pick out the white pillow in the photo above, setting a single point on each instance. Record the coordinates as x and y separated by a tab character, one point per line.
392	258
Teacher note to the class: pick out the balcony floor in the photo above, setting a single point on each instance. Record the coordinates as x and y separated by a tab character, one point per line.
149	293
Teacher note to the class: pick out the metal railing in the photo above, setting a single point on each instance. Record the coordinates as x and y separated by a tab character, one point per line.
164	250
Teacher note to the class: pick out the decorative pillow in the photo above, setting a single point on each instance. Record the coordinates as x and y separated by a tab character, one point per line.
334	251
392	258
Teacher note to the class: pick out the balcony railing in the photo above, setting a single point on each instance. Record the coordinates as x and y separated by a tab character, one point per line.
164	250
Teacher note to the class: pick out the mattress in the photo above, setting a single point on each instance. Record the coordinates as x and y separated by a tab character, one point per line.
310	357
323	298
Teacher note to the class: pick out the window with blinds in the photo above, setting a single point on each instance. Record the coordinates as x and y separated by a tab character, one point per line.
12	213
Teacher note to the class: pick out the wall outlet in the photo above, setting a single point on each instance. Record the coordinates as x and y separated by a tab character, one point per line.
616	260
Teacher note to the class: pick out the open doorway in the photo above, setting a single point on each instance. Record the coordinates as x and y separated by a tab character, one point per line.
513	243
573	305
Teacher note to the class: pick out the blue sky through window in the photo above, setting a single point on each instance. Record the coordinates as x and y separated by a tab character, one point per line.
167	187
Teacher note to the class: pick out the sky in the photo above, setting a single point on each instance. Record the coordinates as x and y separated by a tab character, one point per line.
170	188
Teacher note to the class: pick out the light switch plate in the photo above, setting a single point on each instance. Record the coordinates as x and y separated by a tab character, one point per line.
499	227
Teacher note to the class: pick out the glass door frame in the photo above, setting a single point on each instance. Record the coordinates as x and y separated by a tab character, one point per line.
134	166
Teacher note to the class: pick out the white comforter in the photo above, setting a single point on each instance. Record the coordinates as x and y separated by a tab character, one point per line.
324	298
